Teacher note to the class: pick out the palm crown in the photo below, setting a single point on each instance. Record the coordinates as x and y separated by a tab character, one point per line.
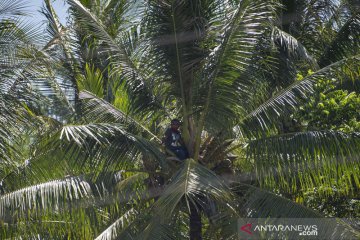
116	76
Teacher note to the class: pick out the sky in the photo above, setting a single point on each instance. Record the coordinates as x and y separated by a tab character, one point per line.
34	7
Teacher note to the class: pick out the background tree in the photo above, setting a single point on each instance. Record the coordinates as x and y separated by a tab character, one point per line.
329	30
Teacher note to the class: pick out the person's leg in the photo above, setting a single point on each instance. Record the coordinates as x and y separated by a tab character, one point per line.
180	153
175	150
186	152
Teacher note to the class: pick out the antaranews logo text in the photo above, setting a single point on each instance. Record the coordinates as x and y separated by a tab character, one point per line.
296	228
282	228
304	230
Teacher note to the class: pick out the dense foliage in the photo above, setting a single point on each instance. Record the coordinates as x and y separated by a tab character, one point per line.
331	108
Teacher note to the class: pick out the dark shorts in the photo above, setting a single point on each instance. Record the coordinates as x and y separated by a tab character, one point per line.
180	152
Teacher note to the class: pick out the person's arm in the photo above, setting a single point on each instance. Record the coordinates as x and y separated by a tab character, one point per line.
166	138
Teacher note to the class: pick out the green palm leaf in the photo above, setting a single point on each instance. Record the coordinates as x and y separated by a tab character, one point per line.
227	74
291	46
260	203
191	185
307	159
10	8
98	110
345	44
286	100
99	133
122	64
112	231
49	195
97	147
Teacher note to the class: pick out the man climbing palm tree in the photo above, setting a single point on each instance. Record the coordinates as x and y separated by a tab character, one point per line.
174	142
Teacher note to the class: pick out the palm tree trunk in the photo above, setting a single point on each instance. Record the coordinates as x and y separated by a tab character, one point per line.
195	223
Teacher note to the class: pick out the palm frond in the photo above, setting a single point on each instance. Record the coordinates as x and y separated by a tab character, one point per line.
120	15
54	27
307	160
228	73
92	81
60	37
191	185
116	53
129	191
97	110
168	231
36	71
9	8
259	203
75	196
285	101
191	182
13	113
279	57
19	42
50	195
100	133
57	225
254	202
112	231
292	47
99	147
345	44
176	46
312	26
16	33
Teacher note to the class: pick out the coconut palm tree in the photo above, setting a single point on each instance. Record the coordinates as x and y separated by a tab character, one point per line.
99	170
24	64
